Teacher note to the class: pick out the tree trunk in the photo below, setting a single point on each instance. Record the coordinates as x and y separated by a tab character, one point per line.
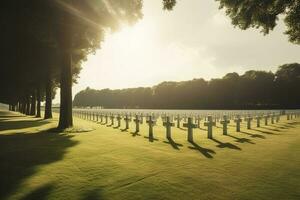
65	117
9	107
33	104
48	106
38	106
27	105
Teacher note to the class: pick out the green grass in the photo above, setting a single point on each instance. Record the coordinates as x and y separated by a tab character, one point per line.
106	163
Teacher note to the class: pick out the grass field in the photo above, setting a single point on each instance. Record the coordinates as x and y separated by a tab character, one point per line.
106	163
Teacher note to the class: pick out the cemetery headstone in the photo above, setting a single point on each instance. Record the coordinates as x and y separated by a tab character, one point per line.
210	123
127	119
168	124
151	122
238	121
258	118
190	127
224	122
266	117
178	118
137	121
249	119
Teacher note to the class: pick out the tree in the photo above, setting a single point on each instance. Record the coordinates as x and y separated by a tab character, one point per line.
264	14
287	83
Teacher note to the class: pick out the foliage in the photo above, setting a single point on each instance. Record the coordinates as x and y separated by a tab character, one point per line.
264	14
253	89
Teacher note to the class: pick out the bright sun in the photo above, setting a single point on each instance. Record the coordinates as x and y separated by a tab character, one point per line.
132	38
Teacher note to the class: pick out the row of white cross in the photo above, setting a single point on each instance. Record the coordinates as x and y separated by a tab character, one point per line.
190	123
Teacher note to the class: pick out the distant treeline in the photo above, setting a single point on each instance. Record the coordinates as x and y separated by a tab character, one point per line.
252	90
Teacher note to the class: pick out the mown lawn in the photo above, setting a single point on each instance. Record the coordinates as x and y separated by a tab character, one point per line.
107	163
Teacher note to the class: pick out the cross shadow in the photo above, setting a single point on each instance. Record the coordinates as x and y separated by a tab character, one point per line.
253	135
206	152
116	127
281	126
151	139
270	129
287	126
226	145
135	133
266	132
241	140
124	130
293	123
173	143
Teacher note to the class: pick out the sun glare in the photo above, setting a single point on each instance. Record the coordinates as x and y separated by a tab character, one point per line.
133	38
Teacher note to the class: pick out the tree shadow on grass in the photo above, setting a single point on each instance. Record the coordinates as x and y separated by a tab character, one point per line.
40	193
226	145
173	143
95	194
22	153
206	152
9	117
13	125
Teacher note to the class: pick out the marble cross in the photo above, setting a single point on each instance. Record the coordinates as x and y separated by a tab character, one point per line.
190	127
224	122
127	119
137	121
249	119
238	121
258	118
210	123
168	124
151	122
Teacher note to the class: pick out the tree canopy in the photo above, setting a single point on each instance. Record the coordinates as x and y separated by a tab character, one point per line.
265	15
43	44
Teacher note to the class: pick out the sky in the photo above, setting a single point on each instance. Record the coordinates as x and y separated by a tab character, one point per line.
195	40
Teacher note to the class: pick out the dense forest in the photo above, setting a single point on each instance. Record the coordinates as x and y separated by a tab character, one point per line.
252	90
